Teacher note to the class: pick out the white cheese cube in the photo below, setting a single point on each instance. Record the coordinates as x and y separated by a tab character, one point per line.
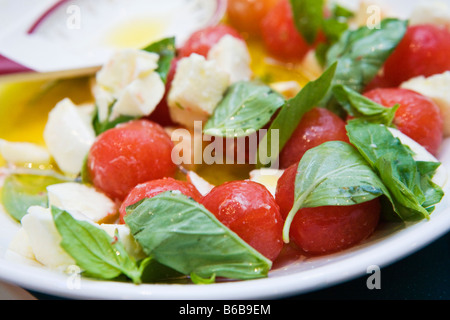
140	97
311	66
129	77
20	244
82	202
197	88
103	100
203	186
267	177
232	56
130	244
437	88
45	239
68	137
24	152
125	66
288	89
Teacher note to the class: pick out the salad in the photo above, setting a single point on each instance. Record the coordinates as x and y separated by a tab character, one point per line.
290	124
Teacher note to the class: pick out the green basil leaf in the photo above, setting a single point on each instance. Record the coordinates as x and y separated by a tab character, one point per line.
361	107
166	50
100	127
290	115
21	191
340	11
433	193
361	53
94	251
155	272
245	108
181	234
332	174
199	280
308	16
410	189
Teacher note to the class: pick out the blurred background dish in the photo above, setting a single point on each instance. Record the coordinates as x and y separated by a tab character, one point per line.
65	38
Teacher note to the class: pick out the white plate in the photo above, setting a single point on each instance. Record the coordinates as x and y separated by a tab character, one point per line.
388	245
75	37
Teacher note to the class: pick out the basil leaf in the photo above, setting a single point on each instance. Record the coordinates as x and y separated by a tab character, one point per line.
340	11
98	254
291	113
433	193
155	272
245	108
181	234
410	190
361	53
166	50
21	191
332	174
100	127
199	280
361	107
308	16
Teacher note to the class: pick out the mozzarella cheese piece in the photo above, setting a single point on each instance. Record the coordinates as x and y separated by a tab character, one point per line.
267	177
203	186
82	201
24	152
140	97
431	12
124	66
68	137
130	79
232	56
311	66
288	89
44	239
20	244
122	231
435	87
197	88
421	154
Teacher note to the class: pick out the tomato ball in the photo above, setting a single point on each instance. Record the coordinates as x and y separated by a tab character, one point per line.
249	210
154	187
422	52
246	15
203	40
418	116
327	229
280	35
130	154
317	126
